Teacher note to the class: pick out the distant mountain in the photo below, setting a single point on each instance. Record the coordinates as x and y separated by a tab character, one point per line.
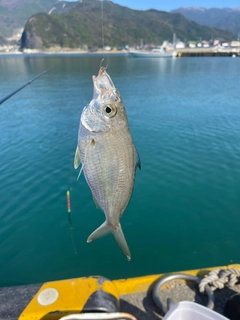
81	24
15	13
226	18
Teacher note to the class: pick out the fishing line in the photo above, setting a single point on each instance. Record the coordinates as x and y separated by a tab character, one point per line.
102	29
103	35
68	191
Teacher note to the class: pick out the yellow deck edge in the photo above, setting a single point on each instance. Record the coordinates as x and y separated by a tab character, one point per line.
72	294
143	283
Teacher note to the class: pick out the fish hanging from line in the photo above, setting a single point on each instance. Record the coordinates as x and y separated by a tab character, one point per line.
108	156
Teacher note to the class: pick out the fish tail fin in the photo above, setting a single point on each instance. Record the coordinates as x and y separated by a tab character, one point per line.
100	232
118	235
121	241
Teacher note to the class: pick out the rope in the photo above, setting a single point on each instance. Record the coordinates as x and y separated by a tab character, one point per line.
219	278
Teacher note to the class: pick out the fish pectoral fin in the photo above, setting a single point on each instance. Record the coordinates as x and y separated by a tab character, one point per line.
137	159
80	172
118	235
77	158
77	161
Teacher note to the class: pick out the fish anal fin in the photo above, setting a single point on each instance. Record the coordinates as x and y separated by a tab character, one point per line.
137	159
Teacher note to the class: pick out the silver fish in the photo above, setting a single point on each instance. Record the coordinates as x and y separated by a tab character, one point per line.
108	156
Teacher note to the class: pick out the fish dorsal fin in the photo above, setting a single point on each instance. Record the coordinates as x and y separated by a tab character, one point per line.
137	159
77	158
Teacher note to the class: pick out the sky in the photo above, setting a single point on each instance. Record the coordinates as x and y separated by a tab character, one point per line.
167	5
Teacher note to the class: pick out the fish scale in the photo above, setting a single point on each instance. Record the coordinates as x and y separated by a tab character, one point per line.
108	155
110	179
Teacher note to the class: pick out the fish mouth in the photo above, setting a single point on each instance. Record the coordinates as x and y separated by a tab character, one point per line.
102	83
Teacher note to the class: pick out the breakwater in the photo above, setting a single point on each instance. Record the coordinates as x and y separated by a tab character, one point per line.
208	52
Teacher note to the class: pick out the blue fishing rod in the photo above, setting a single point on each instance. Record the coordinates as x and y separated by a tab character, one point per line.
24	85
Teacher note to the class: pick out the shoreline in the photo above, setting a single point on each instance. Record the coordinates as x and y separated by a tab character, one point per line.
64	52
186	52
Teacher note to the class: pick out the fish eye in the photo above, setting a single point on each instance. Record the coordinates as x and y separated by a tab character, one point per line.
109	110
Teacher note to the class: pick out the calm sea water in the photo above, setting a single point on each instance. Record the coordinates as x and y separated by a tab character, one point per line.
184	115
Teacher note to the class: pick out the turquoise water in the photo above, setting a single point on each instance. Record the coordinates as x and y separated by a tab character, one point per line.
184	115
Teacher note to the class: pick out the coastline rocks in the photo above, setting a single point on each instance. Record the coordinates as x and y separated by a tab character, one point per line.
29	40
